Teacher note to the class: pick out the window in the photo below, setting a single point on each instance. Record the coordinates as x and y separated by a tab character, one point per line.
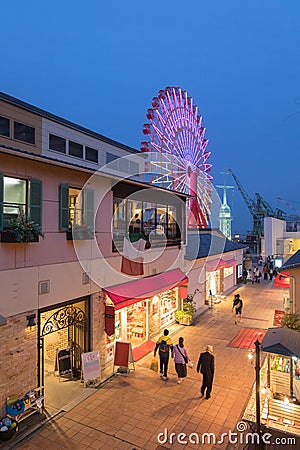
91	154
19	196
75	149
76	207
57	143
24	133
110	157
4	126
159	223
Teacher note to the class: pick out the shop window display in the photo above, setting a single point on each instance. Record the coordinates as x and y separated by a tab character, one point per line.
168	306
136	322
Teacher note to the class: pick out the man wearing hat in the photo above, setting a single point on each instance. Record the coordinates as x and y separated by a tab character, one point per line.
206	366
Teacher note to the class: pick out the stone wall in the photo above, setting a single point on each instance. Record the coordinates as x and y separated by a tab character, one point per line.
18	358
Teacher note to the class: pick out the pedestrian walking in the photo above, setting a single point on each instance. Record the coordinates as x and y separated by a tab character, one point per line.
181	358
265	271
206	366
164	345
245	275
257	275
271	272
249	276
237	306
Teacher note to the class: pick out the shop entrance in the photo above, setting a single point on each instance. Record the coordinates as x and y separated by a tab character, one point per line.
213	284
64	328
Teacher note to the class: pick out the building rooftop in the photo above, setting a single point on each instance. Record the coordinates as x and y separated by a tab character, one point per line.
292	263
203	243
34	109
282	341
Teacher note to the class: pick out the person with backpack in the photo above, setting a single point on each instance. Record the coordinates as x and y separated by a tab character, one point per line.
164	345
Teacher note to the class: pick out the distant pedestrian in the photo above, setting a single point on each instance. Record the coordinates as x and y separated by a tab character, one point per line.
181	358
237	306
249	276
271	272
206	366
265	271
164	345
257	275
245	274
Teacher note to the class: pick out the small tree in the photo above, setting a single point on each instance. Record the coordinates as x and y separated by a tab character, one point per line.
291	321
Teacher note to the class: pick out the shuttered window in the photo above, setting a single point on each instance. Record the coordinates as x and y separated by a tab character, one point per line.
36	201
89	207
64	215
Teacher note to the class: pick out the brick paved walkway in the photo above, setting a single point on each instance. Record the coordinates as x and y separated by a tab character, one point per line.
128	412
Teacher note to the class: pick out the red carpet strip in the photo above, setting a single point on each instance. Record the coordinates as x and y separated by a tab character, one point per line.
143	350
246	338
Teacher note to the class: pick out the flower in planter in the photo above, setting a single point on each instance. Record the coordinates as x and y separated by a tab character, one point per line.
185	316
82	231
24	229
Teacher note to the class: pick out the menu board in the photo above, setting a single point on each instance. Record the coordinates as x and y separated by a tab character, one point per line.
91	365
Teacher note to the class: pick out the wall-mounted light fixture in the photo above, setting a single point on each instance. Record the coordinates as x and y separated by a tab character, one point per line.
31	321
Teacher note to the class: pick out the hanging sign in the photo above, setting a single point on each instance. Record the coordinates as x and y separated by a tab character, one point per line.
109	320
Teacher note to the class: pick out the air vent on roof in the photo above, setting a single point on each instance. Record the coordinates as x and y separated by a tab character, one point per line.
44	287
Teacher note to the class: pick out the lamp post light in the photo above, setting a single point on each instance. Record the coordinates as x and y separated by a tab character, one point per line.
257	392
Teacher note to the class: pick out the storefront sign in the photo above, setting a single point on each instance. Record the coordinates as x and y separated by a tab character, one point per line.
239	270
91	365
109	320
123	354
64	362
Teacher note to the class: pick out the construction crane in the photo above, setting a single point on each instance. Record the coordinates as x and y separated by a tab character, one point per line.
258	208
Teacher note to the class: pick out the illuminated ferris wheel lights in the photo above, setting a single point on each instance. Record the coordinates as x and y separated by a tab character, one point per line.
155	103
176	134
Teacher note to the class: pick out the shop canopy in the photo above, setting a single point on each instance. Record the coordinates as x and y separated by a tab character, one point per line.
126	294
282	280
218	264
282	341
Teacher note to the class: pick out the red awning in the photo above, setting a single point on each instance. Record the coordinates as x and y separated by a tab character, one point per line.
231	262
216	264
134	291
282	280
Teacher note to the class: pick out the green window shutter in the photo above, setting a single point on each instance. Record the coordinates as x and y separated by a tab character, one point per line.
1	201
35	211
89	207
64	215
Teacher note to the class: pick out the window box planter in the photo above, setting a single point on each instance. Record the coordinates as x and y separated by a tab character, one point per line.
8	236
78	235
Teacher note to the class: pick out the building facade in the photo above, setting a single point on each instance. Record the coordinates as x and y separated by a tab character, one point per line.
86	194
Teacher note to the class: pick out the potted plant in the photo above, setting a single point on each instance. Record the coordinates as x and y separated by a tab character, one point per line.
22	229
80	231
185	316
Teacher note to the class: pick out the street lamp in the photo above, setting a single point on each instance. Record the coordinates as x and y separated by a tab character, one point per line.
257	392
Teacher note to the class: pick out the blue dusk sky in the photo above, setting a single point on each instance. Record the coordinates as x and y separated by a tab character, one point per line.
99	64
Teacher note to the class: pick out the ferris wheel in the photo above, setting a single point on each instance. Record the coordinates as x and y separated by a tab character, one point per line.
176	154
